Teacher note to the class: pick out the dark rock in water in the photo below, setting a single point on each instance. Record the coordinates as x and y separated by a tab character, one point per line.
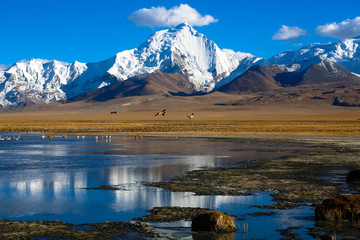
213	221
213	235
327	237
354	176
340	208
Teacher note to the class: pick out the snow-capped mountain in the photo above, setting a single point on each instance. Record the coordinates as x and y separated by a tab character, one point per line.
36	81
246	60
180	49
345	53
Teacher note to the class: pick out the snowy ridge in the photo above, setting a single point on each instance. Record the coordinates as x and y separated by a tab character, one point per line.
179	49
246	60
358	75
345	53
36	81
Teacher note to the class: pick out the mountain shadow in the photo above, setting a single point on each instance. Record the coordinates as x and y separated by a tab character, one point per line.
149	84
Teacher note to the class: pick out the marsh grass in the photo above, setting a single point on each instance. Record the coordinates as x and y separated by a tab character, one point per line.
104	124
340	208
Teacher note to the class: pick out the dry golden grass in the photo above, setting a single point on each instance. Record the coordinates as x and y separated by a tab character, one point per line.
113	124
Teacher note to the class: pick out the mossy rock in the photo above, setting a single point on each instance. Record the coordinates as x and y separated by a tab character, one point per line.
213	221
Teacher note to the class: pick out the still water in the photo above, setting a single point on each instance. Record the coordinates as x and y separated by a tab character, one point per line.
46	179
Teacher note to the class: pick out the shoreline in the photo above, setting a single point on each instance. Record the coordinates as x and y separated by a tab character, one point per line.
281	175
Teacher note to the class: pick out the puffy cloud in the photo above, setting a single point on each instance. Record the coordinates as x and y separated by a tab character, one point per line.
288	33
162	17
346	29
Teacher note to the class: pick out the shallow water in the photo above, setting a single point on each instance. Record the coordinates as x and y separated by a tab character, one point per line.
45	179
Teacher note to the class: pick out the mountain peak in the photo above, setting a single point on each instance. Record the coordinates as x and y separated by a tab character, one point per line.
183	28
183	25
179	49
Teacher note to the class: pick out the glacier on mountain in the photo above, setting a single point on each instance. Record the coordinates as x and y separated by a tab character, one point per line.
36	81
345	53
179	49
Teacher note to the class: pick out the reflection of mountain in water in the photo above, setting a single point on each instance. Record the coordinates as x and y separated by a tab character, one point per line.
62	193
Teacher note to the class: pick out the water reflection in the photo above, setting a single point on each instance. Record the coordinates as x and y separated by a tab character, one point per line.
43	179
58	188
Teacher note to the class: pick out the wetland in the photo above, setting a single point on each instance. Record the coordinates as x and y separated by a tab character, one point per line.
93	186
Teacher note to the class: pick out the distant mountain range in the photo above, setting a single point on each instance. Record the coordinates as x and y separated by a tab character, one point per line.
178	60
321	73
345	53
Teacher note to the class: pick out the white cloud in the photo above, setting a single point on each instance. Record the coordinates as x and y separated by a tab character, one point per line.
346	29
162	17
287	33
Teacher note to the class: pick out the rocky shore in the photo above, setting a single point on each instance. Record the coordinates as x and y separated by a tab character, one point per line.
61	230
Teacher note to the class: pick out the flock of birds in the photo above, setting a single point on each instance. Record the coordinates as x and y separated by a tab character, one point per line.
163	113
106	137
51	137
9	138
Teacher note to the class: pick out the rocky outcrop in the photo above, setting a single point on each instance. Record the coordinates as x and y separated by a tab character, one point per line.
214	222
340	208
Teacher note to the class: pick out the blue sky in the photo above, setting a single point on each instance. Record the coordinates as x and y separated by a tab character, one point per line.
92	31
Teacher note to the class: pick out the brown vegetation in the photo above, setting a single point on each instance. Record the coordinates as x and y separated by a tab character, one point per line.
170	214
296	179
60	230
93	124
340	208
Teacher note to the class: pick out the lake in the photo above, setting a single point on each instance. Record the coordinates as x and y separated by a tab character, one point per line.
43	179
